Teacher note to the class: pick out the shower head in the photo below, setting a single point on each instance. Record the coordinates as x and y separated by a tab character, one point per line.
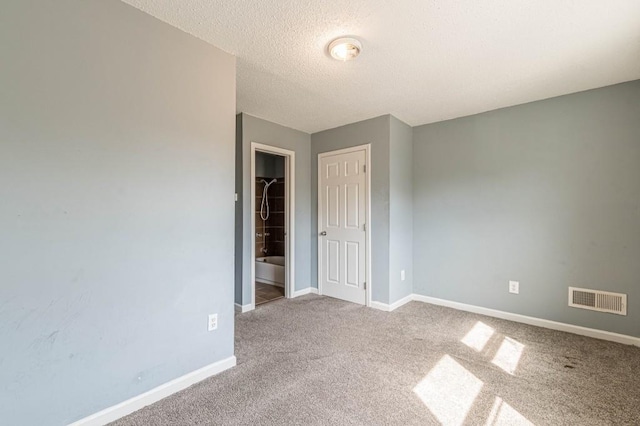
264	206
268	183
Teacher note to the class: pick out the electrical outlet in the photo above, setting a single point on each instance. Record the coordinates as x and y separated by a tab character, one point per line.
514	287
213	322
402	275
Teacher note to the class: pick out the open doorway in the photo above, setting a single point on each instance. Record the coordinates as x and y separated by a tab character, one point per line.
272	180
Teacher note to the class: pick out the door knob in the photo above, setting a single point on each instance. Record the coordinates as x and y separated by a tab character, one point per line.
323	233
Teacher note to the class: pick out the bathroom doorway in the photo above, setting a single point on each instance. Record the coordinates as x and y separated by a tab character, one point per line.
272	219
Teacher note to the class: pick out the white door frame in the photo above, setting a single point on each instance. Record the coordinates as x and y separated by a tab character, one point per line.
289	220
367	191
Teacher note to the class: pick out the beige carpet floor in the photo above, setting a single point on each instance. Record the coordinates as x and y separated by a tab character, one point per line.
320	361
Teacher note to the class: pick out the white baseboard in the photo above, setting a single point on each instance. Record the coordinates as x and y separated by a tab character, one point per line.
539	322
308	290
380	306
250	307
553	325
395	305
156	394
244	308
403	301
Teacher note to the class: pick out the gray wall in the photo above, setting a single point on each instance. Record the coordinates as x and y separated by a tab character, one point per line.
376	132
264	132
269	165
116	181
400	209
546	193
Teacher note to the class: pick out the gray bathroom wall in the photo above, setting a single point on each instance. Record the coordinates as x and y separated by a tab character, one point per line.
278	164
267	133
545	193
269	165
116	212
264	166
400	210
376	132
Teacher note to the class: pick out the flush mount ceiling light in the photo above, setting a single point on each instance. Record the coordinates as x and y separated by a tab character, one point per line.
345	48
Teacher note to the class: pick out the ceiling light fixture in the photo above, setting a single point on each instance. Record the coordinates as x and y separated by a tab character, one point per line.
345	48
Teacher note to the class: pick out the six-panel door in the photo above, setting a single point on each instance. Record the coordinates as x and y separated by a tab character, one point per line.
342	217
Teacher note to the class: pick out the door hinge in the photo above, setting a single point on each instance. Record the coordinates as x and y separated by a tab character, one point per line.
364	285
364	168
364	227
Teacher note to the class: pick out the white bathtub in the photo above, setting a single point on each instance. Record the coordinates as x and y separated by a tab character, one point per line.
270	270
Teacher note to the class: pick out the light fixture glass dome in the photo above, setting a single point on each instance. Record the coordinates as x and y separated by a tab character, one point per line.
345	48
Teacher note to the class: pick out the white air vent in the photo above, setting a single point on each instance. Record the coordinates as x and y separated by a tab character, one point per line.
596	300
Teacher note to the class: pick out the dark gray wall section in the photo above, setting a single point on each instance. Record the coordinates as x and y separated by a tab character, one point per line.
376	132
264	132
270	166
116	219
546	193
400	209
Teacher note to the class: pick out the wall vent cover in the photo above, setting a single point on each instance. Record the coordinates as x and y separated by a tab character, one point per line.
596	300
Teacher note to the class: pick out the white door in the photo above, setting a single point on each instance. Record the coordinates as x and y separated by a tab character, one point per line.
342	214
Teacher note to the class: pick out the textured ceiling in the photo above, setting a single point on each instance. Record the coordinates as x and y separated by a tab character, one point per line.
423	60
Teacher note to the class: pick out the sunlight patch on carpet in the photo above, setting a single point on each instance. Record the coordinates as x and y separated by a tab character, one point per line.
502	414
449	391
478	336
508	355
